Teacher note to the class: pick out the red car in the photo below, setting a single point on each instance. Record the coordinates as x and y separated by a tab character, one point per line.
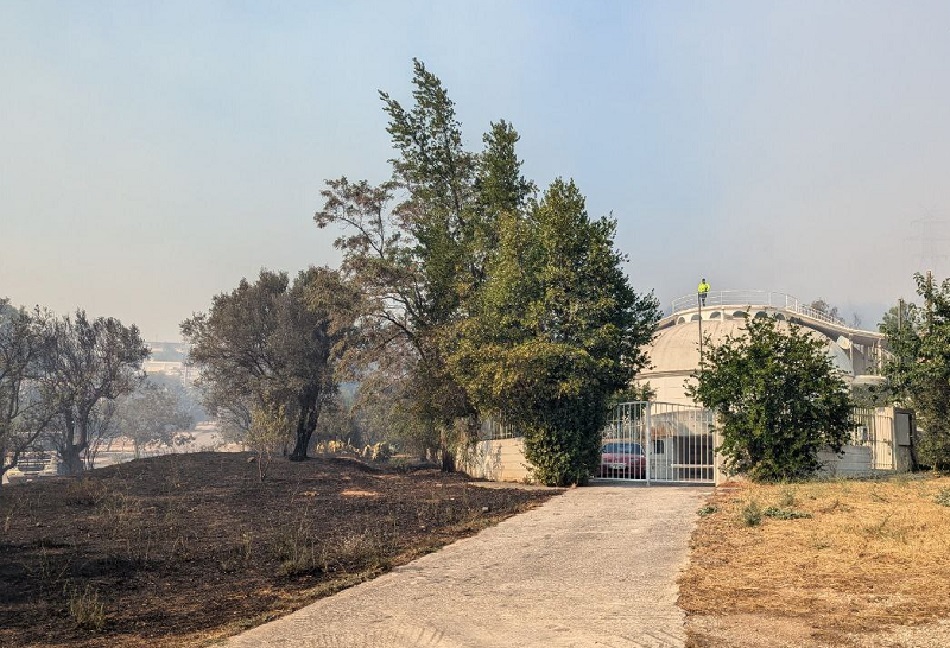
623	460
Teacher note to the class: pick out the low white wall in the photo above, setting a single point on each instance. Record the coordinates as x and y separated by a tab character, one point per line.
497	460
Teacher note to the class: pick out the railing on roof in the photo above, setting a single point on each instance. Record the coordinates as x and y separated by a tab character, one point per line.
753	298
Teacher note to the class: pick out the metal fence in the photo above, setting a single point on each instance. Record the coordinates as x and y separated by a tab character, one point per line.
753	298
659	442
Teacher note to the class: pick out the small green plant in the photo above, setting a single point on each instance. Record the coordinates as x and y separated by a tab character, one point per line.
707	510
86	609
785	514
943	497
752	514
788	498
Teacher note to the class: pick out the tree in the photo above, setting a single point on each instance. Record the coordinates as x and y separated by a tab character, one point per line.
778	398
557	331
90	361
24	410
272	346
918	368
150	414
101	429
415	260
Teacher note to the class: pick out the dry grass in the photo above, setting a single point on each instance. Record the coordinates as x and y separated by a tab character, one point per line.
873	555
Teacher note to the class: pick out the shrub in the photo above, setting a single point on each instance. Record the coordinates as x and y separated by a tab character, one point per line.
752	514
778	398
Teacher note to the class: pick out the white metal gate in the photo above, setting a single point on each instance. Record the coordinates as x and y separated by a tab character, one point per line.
659	442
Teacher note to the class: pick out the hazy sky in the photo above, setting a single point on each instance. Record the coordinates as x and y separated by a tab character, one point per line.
153	153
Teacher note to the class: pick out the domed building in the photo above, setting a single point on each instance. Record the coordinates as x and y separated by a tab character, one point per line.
674	352
673	439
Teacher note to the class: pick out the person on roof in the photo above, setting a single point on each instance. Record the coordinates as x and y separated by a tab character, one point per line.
702	291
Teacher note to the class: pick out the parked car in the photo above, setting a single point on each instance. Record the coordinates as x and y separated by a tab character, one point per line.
623	460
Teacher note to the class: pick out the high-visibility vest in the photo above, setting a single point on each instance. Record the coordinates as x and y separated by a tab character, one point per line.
703	288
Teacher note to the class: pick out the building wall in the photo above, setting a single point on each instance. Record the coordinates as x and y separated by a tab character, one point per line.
497	460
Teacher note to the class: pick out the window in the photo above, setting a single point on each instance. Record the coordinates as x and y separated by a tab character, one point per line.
659	446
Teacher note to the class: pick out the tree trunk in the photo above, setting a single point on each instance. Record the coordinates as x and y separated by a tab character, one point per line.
448	460
72	460
306	424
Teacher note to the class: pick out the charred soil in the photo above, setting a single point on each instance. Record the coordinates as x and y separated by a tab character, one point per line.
185	549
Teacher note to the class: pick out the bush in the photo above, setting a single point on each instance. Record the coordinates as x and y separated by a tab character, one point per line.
778	398
752	514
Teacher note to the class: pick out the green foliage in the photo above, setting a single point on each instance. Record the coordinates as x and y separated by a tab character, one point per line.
481	299
707	510
752	514
943	497
417	261
918	369
273	346
556	331
785	513
778	398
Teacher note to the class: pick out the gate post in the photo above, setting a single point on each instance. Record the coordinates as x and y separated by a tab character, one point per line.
648	446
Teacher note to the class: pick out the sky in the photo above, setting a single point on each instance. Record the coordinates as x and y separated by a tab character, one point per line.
153	154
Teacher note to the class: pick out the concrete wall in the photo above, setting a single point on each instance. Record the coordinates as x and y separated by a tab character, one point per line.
856	460
497	460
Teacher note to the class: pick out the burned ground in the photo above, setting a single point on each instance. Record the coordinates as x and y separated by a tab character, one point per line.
183	549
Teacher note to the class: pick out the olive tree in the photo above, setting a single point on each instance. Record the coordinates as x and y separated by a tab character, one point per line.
89	361
24	408
272	345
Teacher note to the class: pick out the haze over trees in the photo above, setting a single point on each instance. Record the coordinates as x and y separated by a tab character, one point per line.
24	412
59	379
918	368
90	361
481	299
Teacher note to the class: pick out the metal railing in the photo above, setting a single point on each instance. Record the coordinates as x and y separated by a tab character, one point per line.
753	298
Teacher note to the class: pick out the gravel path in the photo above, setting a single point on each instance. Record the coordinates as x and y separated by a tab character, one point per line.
594	567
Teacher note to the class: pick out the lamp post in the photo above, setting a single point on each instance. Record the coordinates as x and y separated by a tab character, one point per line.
699	304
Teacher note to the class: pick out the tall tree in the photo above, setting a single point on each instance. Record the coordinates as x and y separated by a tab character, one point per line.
419	246
24	411
778	398
91	360
272	346
408	256
918	368
558	331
